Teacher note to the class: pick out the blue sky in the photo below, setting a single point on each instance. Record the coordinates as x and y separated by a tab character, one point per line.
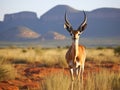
42	6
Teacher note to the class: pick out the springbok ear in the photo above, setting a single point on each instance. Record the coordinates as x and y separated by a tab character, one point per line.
83	26
67	27
67	24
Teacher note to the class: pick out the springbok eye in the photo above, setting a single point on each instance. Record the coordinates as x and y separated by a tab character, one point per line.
70	34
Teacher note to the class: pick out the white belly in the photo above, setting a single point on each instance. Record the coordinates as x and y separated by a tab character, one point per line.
71	64
77	64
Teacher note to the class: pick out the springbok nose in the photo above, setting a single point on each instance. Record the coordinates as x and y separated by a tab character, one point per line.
74	38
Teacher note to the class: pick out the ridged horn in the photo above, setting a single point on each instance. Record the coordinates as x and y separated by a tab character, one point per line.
84	23
67	24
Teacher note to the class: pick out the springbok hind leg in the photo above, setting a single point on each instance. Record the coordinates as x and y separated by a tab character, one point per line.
78	71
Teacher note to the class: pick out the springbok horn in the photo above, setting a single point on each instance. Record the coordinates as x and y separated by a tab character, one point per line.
67	24
84	23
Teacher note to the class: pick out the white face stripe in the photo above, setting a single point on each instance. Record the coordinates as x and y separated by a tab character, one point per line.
75	34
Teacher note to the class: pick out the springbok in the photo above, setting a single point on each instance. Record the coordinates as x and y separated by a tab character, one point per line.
76	54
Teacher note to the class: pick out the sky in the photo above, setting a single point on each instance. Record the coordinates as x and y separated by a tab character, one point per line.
42	6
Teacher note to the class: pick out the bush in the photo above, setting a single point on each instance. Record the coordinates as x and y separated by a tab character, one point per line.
117	51
7	72
20	61
100	48
2	73
24	50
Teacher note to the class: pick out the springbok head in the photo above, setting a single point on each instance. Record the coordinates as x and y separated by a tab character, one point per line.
75	33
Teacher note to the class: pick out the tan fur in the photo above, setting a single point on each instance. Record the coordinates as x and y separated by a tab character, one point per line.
71	54
76	54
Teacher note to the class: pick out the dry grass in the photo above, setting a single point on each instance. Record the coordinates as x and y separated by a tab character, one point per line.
102	55
56	81
104	80
51	57
46	57
7	72
43	57
56	58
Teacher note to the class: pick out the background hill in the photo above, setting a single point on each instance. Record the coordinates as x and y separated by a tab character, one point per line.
52	35
19	34
102	22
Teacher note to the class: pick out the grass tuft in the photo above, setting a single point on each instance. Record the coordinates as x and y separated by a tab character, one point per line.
56	81
7	72
104	80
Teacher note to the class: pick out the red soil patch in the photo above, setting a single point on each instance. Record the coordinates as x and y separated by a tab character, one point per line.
30	76
7	86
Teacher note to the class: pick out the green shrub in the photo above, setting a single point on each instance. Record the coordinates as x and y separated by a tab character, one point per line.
100	48
117	51
7	72
116	83
24	50
2	73
20	61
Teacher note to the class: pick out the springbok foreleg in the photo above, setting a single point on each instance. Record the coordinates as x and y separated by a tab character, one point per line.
72	73
82	70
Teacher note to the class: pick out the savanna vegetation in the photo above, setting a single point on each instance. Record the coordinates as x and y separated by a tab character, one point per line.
103	58
103	80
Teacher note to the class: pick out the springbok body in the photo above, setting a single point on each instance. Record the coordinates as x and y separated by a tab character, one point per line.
76	54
